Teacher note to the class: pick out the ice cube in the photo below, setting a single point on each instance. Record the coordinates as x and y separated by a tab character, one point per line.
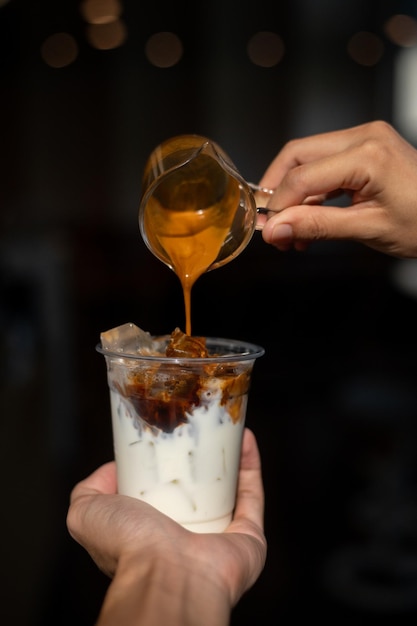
182	345
128	339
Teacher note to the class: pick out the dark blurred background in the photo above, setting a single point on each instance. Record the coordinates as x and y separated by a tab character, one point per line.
88	89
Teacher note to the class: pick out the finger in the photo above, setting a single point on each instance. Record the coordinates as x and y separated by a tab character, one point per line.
87	515
307	149
263	213
250	494
353	170
102	480
313	223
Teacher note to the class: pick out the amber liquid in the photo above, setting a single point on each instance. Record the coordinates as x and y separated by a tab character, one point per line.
188	218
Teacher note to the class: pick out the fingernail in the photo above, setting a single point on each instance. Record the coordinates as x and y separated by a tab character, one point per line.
260	221
282	232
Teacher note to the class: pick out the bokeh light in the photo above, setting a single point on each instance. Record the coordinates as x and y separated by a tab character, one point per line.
365	48
59	50
401	30
163	49
100	11
106	36
265	49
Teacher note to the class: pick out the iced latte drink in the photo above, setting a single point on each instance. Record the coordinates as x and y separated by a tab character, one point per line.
178	406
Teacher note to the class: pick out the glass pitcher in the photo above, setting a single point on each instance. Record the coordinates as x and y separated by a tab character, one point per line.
196	211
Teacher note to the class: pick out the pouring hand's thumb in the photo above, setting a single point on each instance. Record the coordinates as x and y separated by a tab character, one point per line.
296	227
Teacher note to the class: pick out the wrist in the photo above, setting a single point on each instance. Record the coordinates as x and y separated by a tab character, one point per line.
163	589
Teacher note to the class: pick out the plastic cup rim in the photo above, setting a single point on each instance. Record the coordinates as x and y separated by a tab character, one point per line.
252	352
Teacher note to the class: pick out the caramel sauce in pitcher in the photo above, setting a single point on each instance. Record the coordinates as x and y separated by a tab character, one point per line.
187	220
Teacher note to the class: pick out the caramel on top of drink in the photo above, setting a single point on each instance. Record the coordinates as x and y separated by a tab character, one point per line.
167	399
182	345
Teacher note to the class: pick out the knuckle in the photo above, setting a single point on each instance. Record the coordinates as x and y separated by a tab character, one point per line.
297	180
380	127
317	228
377	144
375	151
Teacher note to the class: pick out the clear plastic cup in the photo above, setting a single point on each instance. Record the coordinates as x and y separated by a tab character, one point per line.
177	429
